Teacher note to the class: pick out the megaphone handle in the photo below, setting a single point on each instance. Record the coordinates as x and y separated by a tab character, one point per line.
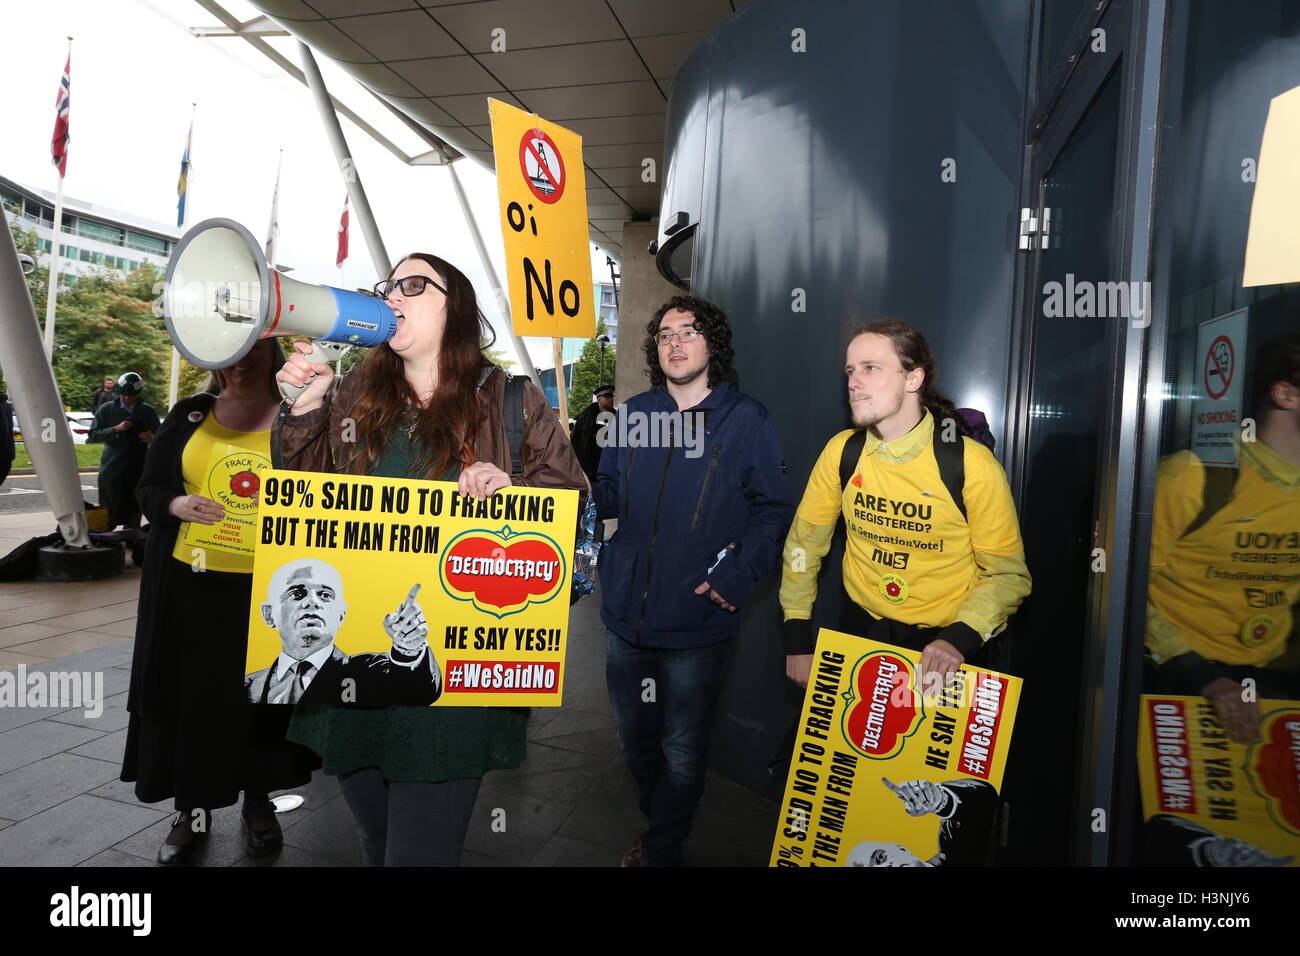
322	352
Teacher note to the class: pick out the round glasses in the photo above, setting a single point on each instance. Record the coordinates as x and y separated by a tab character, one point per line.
411	285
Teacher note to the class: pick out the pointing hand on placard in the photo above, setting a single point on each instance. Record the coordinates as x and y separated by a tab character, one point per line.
406	626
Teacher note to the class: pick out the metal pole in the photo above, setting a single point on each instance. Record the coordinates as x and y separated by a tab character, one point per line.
173	383
36	399
503	300
52	294
357	192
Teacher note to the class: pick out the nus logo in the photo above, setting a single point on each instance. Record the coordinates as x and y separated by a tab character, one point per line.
890	559
1258	597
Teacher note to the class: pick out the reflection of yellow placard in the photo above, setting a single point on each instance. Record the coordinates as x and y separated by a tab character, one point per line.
1273	242
493	581
543	190
1211	802
233	479
884	776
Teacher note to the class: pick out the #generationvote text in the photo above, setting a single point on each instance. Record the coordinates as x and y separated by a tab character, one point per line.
399	537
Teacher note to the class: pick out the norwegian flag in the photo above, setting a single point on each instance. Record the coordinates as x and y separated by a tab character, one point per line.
343	235
59	141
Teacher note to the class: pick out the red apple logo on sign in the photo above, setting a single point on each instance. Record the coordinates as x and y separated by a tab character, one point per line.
883	711
1274	765
503	573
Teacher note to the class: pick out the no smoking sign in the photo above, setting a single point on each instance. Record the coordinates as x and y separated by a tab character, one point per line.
1220	363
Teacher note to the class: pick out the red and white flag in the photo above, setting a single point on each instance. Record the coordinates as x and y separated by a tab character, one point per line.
343	235
59	141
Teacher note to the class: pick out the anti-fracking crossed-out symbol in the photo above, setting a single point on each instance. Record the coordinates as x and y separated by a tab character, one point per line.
542	166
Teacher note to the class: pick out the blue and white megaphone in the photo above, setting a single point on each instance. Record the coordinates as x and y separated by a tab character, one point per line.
221	297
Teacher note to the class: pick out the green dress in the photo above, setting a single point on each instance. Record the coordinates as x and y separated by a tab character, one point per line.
429	744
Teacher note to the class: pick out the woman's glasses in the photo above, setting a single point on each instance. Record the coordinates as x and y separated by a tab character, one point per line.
411	285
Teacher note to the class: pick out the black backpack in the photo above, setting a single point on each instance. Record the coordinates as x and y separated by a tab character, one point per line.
950	456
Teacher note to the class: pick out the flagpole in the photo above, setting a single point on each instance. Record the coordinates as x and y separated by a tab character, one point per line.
52	292
185	217
273	230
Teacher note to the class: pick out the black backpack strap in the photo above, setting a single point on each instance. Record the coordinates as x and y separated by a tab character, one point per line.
512	412
849	456
1219	483
951	458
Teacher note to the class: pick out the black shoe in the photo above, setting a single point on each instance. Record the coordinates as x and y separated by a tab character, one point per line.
261	828
189	831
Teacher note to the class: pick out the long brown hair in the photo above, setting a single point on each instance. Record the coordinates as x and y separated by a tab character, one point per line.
913	352
448	427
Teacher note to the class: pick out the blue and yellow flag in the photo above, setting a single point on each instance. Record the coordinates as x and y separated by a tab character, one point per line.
185	175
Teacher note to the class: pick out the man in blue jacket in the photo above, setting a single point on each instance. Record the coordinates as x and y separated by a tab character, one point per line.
692	470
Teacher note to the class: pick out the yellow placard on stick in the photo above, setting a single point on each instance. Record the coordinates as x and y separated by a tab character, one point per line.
379	591
543	191
882	775
1209	801
1273	242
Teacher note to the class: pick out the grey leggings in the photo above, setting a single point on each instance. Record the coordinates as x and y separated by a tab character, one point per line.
404	823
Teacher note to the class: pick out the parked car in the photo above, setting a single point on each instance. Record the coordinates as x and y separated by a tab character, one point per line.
79	424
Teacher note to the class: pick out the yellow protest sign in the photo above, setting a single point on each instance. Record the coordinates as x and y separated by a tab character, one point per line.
543	191
381	590
1209	801
883	775
232	479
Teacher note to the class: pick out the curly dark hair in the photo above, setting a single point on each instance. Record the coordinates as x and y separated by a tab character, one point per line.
914	352
710	320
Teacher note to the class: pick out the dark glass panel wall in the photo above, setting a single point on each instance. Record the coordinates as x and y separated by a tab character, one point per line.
875	173
1225	63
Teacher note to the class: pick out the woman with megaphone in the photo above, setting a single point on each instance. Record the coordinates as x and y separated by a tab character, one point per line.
192	736
426	404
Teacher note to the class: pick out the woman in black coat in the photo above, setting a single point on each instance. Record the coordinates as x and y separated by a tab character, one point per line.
192	735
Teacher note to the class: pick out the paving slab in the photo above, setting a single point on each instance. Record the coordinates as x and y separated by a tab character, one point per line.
71	832
30	789
38	740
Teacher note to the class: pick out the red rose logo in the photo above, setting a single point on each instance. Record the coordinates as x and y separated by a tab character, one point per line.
246	484
893	589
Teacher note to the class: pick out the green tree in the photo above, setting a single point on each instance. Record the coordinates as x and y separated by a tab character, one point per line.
104	325
586	372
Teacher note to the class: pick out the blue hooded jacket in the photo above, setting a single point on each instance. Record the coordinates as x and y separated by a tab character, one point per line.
718	488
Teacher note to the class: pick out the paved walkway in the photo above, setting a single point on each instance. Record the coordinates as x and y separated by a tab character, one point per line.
572	802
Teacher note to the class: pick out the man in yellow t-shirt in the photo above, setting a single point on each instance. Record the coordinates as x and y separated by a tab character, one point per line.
917	572
1225	558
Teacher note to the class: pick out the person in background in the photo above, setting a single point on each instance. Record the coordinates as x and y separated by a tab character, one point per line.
126	426
587	428
102	396
7	449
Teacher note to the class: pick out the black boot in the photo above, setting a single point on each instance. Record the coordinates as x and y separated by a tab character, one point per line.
189	830
261	828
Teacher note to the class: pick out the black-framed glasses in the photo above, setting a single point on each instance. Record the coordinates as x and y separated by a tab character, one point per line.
411	285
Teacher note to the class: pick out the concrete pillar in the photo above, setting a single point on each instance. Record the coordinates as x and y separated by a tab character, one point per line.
641	290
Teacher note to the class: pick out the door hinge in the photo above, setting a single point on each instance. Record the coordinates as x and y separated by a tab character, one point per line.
1035	226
